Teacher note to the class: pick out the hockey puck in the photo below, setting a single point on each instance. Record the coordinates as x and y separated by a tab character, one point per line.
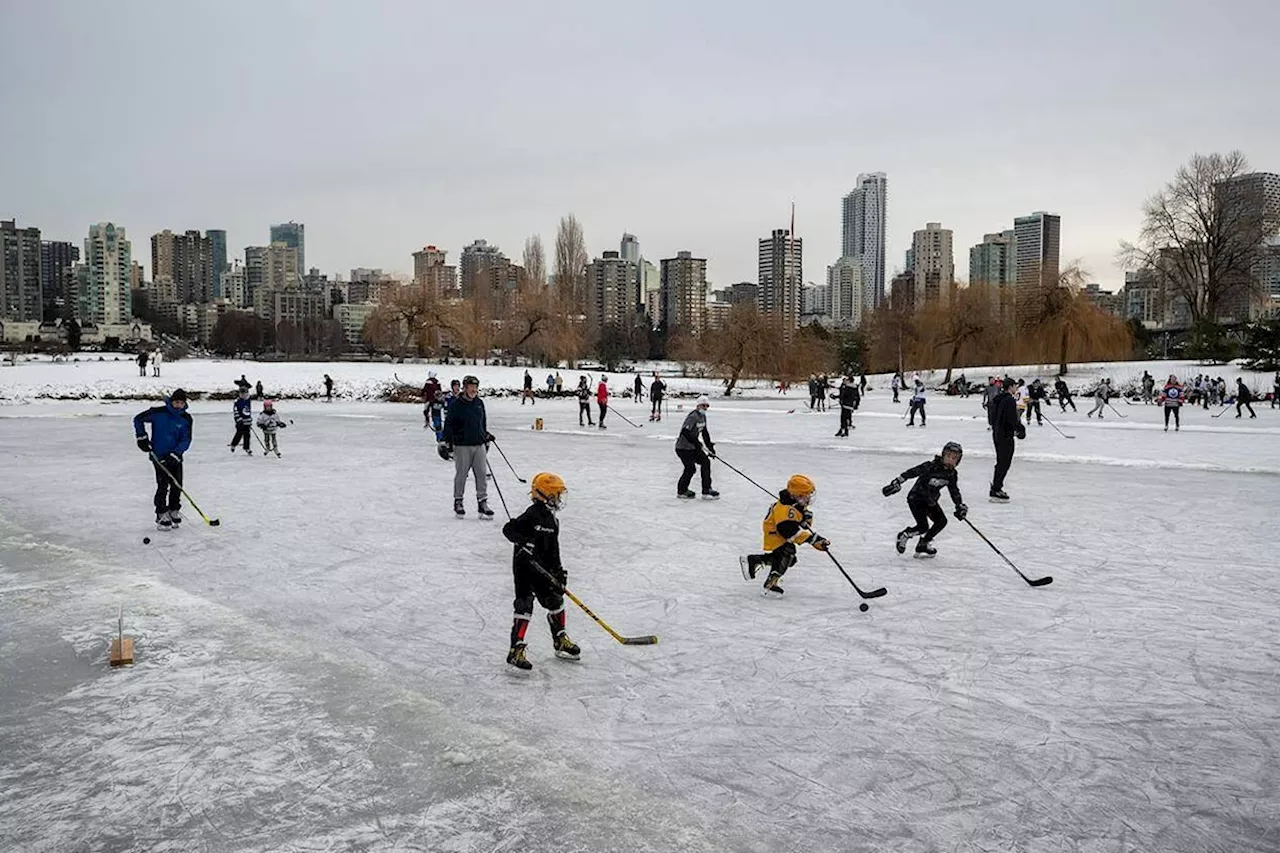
146	540
863	607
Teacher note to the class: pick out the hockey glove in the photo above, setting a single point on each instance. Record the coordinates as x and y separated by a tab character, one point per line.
895	486
144	444
820	542
488	438
1022	431
174	457
711	451
962	512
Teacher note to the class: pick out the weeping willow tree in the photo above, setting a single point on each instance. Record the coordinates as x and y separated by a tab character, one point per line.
1080	329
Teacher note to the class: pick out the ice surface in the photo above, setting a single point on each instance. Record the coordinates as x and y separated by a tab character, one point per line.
325	670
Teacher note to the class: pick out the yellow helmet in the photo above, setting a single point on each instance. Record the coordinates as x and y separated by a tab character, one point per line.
548	488
800	486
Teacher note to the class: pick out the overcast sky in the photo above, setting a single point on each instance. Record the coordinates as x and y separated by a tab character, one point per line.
384	126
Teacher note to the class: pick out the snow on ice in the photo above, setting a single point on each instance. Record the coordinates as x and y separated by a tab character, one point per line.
325	670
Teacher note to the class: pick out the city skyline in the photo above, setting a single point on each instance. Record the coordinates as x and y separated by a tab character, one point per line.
372	180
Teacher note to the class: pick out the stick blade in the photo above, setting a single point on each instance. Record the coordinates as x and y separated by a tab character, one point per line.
875	593
215	522
1044	581
649	640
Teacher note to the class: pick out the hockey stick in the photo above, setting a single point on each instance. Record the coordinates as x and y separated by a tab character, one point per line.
212	522
1114	409
745	477
625	418
647	640
1044	581
1055	426
875	593
1223	412
508	461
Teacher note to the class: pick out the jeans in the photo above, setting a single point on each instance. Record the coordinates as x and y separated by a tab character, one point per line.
471	458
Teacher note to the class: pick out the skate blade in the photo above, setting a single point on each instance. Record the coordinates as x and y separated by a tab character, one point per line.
486	517
998	500
711	497
746	571
516	672
770	593
566	656
923	556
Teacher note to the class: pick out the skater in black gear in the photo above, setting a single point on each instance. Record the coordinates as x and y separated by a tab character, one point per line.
170	438
242	414
1244	397
528	390
922	500
536	536
786	525
328	388
657	390
257	389
142	363
1275	390
1005	426
848	397
639	389
691	454
1035	393
1064	395
583	393
243	384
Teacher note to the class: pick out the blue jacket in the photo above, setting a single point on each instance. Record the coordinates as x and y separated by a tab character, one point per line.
242	411
465	424
170	429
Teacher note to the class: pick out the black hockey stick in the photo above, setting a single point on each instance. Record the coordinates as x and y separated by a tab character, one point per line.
508	461
1044	581
212	522
625	418
745	477
1223	412
1055	426
875	593
1114	409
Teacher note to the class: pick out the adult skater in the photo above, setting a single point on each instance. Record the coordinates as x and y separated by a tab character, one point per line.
242	417
1148	388
848	399
156	358
786	525
922	500
1275	390
1172	396
917	405
583	393
602	399
1005	426
896	385
657	390
1244	397
430	390
988	399
1064	394
559	383
1035	393
691	454
269	421
467	435
1100	395
258	389
142	363
170	438
527	393
638	389
328	387
243	384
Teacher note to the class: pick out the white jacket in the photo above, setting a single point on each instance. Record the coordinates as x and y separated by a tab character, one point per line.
270	421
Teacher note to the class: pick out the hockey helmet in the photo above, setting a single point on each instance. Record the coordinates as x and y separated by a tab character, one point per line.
470	379
801	488
953	447
550	489
267	404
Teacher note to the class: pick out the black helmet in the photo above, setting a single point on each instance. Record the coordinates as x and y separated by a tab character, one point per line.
470	379
953	446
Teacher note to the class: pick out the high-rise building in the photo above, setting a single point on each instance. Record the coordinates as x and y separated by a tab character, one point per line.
218	248
781	269
629	249
684	292
649	291
1036	243
848	294
255	273
934	264
473	266
909	260
610	290
902	292
57	281
742	291
1259	193
431	271
105	297
186	260
864	216
815	300
234	288
20	276
293	235
993	262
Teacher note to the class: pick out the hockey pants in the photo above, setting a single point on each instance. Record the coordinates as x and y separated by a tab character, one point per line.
930	520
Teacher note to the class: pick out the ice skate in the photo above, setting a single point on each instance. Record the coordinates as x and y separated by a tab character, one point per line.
175	517
163	522
711	495
903	538
486	514
458	509
516	658
925	551
686	494
772	586
998	496
750	564
565	648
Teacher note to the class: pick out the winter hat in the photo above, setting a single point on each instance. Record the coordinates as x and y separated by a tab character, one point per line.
266	404
703	401
178	394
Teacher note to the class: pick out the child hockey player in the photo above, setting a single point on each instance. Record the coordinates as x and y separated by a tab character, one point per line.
786	525
922	500
242	414
170	438
430	390
269	421
583	393
536	535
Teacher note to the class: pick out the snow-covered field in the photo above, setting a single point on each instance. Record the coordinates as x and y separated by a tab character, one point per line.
324	671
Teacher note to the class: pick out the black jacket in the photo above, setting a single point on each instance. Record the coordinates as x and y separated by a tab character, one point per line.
930	477
657	388
1064	393
539	527
1038	391
849	396
1243	394
1005	423
465	424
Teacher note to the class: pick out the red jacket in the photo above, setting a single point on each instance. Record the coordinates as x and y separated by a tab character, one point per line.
602	392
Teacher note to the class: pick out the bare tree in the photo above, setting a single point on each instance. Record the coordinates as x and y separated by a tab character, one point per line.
969	316
1201	235
534	262
740	346
571	261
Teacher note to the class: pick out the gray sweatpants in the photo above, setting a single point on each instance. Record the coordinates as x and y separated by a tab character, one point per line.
470	458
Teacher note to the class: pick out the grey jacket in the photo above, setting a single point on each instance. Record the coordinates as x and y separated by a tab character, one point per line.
695	425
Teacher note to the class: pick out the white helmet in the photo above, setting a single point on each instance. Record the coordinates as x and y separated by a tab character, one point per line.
431	374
